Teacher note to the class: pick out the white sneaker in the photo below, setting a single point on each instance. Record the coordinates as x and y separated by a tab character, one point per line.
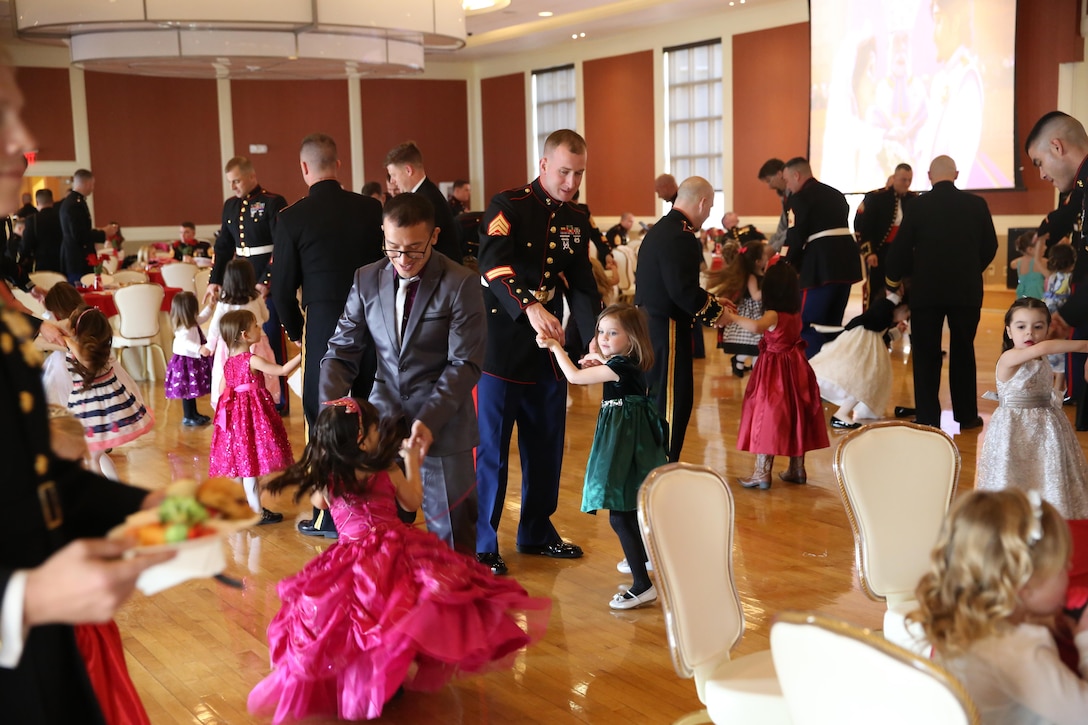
624	568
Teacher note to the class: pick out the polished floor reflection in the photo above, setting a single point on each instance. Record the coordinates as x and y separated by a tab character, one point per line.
196	650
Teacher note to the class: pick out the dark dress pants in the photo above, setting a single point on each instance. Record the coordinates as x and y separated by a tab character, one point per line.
927	325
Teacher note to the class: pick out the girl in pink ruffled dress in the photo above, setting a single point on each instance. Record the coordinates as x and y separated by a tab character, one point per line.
388	605
249	439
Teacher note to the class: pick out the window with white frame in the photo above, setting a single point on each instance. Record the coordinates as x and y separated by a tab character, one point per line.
693	113
553	102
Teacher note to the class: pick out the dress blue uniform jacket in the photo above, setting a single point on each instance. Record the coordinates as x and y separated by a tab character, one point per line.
527	239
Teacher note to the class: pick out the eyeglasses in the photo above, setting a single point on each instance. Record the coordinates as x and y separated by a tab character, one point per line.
409	253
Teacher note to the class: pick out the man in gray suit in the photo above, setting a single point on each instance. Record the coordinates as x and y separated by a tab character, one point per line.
423	314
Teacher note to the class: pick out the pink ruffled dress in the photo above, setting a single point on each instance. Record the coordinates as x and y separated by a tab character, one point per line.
249	439
384	600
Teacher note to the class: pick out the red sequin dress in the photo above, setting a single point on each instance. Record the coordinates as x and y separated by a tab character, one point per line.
249	439
782	414
387	605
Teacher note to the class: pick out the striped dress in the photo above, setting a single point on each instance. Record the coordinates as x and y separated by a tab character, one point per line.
110	413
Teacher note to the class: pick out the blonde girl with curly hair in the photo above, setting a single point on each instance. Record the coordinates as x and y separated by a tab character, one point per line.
992	602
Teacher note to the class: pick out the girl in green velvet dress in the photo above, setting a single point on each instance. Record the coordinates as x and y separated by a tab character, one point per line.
630	437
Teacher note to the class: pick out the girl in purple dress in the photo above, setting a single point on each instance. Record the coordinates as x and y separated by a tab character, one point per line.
189	374
249	439
388	605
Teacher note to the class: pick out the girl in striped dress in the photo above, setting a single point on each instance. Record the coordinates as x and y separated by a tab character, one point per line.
111	413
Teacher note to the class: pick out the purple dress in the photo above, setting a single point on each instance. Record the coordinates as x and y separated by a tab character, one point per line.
189	377
387	605
249	439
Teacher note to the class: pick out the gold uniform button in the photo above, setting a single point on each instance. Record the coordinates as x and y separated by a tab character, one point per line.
26	401
553	229
528	244
41	465
242	234
550	260
7	344
547	274
517	291
552	217
551	245
526	189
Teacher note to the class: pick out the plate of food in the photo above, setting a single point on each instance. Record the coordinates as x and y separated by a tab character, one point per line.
192	520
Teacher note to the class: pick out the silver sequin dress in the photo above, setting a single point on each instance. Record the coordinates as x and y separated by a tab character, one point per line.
1030	444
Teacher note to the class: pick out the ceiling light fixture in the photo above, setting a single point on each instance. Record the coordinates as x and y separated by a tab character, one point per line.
545	13
479	7
247	38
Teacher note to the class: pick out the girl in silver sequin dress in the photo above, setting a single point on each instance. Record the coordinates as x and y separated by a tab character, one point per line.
1029	442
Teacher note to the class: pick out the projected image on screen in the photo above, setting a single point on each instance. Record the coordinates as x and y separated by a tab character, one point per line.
898	81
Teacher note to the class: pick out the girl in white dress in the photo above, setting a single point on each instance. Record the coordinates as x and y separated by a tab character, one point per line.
992	603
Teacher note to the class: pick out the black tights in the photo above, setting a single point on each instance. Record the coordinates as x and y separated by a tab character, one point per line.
188	407
625	524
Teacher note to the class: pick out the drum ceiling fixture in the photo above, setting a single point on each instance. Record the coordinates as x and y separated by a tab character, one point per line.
247	38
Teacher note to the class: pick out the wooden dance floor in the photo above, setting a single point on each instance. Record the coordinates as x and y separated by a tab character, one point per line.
196	650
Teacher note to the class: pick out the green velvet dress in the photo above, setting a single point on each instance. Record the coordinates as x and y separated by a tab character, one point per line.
628	444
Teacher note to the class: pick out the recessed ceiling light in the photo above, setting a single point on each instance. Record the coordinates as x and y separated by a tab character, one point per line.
574	36
545	13
476	7
581	35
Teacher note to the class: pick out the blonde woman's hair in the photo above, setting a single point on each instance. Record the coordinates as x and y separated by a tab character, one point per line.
984	557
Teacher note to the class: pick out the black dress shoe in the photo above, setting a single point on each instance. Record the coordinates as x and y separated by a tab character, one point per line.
1069	400
269	517
839	424
972	424
494	561
558	550
306	528
902	411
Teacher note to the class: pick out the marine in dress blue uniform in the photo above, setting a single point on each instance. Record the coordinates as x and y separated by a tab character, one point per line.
822	250
247	227
667	287
528	237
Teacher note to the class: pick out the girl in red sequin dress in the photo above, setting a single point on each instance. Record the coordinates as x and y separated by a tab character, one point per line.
388	605
249	439
782	413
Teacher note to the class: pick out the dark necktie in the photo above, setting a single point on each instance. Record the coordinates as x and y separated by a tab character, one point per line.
406	295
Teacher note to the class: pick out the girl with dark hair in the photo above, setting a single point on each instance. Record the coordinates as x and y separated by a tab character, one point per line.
782	413
388	606
1029	442
189	374
110	412
249	439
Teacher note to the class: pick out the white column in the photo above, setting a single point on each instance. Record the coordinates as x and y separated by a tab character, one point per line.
355	131
226	129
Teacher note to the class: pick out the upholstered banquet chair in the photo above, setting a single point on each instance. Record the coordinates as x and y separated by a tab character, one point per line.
46	280
129	276
834	672
179	275
897	481
200	283
626	262
138	321
686	516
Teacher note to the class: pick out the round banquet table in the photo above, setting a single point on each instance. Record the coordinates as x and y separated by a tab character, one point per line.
132	358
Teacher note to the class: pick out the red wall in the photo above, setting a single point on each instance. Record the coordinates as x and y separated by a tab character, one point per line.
620	139
279	114
48	111
770	110
502	109
434	114
154	149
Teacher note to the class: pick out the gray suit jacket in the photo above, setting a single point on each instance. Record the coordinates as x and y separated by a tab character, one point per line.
431	375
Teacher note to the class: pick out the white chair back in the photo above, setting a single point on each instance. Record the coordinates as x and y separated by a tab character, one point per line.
686	515
87	280
200	283
833	672
129	276
897	481
625	269
138	307
46	280
180	275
